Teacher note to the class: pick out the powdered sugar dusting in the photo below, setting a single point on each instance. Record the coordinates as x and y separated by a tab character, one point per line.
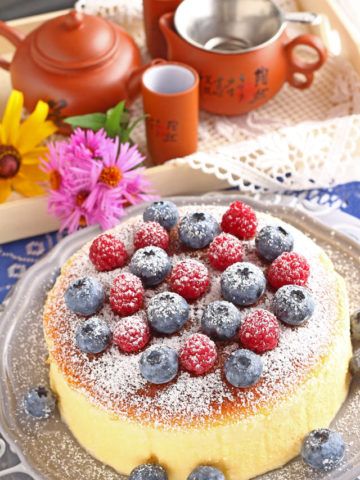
113	379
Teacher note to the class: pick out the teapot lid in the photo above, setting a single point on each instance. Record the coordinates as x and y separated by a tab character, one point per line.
74	41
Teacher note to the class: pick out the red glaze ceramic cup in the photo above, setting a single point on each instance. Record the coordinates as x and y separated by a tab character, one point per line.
171	102
153	10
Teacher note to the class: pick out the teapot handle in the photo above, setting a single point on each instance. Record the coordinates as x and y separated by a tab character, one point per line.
133	82
14	37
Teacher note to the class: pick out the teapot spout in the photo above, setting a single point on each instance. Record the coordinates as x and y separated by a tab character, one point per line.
173	40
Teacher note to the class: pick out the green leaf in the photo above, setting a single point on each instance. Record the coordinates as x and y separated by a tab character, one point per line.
93	121
113	119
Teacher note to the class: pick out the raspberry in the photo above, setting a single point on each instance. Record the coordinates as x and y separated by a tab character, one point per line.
260	331
107	253
126	294
131	334
198	355
225	250
289	268
240	220
151	234
190	279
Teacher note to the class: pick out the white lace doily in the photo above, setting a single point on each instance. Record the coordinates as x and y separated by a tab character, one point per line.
298	140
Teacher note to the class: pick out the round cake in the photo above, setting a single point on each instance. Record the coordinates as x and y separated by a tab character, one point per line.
203	413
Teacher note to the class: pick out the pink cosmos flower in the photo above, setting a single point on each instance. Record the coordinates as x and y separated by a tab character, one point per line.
97	178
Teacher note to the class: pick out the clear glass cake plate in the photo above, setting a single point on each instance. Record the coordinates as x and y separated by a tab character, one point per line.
46	449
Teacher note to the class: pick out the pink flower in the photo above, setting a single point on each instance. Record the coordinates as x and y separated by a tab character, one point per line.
97	177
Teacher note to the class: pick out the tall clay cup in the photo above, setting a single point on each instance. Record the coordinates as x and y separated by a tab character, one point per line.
153	10
171	102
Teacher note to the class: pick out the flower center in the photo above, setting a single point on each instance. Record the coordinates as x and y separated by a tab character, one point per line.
10	161
55	180
111	176
80	198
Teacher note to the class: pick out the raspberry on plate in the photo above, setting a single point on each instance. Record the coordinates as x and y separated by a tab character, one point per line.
107	253
190	279
131	334
126	294
240	220
225	250
151	234
198	355
290	268
260	331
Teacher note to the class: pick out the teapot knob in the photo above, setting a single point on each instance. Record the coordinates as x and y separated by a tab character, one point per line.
73	20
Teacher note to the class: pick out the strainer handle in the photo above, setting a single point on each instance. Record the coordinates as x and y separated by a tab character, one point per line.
299	66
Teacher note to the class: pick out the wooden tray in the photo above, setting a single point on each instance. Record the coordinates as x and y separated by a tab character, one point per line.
21	217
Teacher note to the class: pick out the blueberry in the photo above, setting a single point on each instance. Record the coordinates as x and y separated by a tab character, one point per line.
355	363
159	364
151	265
272	241
221	320
168	312
39	402
93	335
355	325
243	368
163	212
148	471
206	473
293	305
85	296
323	449
242	283
197	230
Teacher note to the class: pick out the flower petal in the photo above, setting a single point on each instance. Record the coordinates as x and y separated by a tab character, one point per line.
33	173
26	187
5	190
11	118
27	143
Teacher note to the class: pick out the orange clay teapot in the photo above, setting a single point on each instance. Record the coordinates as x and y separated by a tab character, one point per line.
241	51
77	63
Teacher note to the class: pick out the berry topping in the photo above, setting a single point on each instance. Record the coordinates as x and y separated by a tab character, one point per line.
93	335
243	368
221	320
151	264
151	233
168	312
148	471
260	331
107	253
126	294
197	230
355	325
225	250
163	212
272	241
131	334
323	449
240	220
85	296
190	279
198	354
243	283
159	364
289	268
293	305
205	472
39	402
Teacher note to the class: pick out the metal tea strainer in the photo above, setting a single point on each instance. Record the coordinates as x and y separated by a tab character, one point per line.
234	26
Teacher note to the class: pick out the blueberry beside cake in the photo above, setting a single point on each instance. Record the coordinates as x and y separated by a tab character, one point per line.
199	342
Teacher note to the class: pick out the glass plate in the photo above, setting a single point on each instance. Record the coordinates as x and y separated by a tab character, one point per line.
47	449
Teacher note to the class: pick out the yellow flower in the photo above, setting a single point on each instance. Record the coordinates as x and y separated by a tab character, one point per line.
21	147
